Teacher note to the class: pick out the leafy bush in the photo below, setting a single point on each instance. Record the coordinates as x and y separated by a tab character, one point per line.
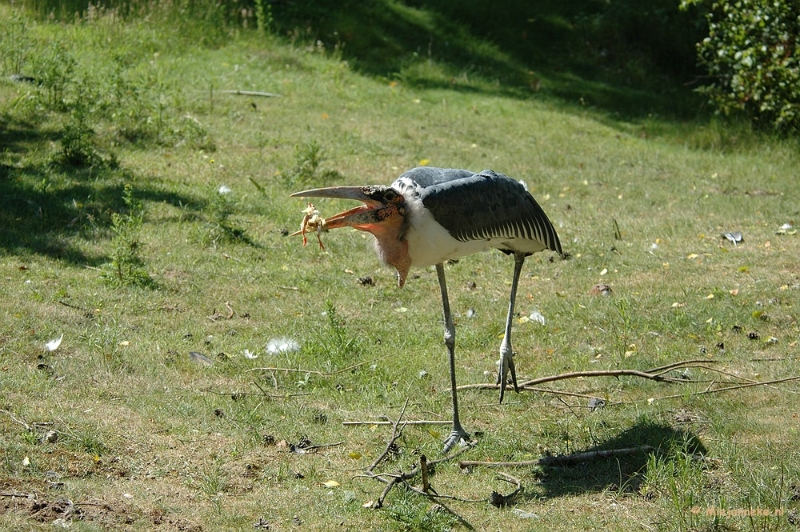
752	53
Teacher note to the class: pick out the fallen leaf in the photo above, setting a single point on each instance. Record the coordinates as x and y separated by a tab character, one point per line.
331	484
355	455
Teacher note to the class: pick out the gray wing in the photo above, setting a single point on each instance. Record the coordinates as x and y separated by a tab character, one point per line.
484	206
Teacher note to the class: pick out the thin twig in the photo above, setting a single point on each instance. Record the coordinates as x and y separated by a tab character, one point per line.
655	374
729	388
436	496
16	420
323	446
17	494
576	375
403	478
680	364
395	435
250	93
70	305
386	490
561	459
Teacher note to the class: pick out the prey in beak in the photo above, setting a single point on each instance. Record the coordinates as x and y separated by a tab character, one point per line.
383	214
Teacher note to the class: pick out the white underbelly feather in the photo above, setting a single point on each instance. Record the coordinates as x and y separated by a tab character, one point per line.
429	243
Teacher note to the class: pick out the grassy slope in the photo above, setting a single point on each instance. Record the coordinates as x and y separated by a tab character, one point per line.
160	440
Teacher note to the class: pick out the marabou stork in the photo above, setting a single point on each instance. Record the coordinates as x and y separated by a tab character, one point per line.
430	215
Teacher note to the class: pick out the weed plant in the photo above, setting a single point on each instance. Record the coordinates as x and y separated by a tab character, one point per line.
126	266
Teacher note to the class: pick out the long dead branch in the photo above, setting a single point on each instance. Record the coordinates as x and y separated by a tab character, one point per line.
577	375
736	387
655	374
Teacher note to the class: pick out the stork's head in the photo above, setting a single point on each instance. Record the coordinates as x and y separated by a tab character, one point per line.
383	214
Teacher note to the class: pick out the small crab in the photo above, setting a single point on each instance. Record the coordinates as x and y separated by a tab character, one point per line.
312	221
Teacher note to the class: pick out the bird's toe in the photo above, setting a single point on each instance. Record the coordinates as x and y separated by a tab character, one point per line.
457	436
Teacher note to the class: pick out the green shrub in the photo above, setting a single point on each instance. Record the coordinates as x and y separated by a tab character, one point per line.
752	54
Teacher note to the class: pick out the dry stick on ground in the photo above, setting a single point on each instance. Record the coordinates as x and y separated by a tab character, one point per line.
250	93
16	420
735	387
400	477
395	435
562	459
403	478
655	374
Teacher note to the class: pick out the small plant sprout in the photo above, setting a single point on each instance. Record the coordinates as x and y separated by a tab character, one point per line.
312	221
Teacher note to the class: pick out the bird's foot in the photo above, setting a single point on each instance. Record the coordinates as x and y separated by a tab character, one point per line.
457	435
506	367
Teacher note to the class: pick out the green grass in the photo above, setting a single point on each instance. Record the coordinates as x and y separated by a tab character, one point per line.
150	438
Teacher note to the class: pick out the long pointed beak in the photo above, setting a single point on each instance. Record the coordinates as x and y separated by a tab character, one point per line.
356	193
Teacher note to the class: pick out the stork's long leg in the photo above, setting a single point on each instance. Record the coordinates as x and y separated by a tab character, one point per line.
458	433
506	353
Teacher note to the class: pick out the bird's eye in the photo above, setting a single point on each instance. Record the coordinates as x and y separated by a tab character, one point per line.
390	195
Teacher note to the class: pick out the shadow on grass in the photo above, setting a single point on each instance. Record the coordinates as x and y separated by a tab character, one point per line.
44	205
628	58
620	473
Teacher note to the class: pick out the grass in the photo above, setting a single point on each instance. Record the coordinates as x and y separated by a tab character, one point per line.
148	437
